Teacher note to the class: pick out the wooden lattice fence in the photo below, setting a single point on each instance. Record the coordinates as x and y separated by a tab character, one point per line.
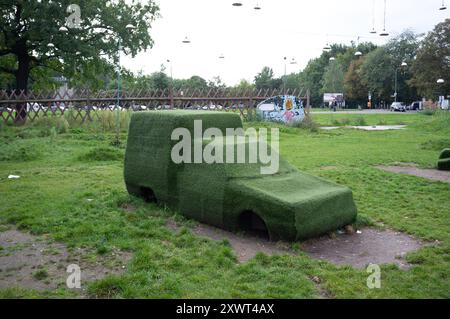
85	105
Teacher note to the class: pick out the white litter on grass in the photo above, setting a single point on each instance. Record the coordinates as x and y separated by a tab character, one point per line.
13	176
359	232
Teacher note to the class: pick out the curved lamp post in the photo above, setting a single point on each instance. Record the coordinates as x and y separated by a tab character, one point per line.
384	33
186	40
404	64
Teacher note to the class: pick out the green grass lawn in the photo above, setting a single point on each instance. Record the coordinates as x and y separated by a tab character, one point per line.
60	172
340	119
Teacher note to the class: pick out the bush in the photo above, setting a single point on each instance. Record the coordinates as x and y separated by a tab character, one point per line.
429	108
19	152
341	122
307	123
102	154
46	123
360	121
435	145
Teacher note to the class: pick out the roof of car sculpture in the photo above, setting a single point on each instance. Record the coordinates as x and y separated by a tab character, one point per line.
288	204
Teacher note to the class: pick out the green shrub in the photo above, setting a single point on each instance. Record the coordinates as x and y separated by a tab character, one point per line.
342	122
46	123
102	154
19	152
307	123
428	111
360	121
435	144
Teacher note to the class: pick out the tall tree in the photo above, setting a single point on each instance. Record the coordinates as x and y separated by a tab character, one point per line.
377	73
333	78
30	32
403	48
264	79
354	88
433	62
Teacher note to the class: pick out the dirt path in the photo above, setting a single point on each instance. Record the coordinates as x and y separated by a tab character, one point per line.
359	249
369	246
34	262
433	174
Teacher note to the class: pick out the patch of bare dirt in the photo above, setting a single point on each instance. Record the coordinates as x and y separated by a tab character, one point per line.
363	247
356	249
245	246
429	173
34	262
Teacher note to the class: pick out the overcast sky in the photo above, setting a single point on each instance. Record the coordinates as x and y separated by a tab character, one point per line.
251	39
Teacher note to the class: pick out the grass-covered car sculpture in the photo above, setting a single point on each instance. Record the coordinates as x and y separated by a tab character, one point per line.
287	205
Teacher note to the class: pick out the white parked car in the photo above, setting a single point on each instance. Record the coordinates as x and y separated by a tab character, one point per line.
398	107
35	107
5	109
137	107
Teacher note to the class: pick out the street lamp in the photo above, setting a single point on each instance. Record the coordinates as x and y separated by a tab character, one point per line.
63	29
443	7
357	53
332	58
257	7
384	33
186	40
404	64
237	4
440	81
373	31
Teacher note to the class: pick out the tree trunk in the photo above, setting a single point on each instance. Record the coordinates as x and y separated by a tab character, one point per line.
22	75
